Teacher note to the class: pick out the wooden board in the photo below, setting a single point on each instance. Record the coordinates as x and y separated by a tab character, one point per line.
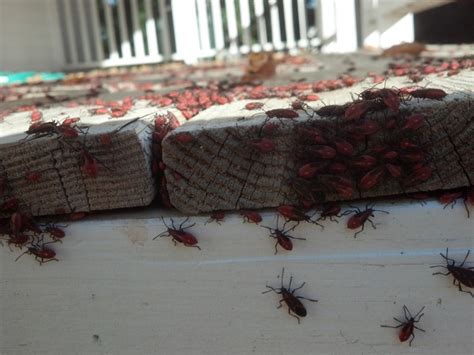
116	291
220	169
124	177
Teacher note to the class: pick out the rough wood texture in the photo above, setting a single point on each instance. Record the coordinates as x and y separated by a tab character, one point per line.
124	175
220	169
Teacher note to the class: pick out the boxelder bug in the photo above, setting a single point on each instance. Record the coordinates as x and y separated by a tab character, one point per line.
282	236
360	217
41	253
294	304
408	325
217	216
178	235
463	275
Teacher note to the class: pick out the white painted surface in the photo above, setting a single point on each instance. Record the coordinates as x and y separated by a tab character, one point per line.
142	296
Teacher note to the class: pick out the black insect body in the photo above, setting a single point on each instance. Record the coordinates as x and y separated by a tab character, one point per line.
463	275
293	302
408	325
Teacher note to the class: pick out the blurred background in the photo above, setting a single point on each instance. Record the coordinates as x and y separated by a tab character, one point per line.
68	35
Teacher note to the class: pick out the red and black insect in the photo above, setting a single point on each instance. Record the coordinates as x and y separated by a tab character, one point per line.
360	217
251	216
216	216
18	240
55	232
179	235
282	237
331	210
408	326
292	301
296	214
41	253
463	275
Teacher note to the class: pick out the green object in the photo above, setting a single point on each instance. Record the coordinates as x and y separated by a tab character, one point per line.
7	78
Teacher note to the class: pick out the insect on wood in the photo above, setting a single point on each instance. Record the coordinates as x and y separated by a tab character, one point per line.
179	235
292	301
464	276
408	326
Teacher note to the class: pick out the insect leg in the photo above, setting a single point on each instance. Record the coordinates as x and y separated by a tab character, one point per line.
412	338
440	273
419	328
392	326
418	315
298	318
460	289
355	235
297	287
307	299
276	250
372	223
270	289
465	258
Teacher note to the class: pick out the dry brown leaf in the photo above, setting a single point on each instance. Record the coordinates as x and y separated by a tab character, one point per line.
260	66
414	49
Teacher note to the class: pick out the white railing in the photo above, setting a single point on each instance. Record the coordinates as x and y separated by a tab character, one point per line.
103	33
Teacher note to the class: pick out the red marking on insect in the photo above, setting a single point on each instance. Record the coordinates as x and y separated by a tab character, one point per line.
391	155
291	300
415	157
251	216
408	326
179	235
90	166
313	134
270	127
36	116
323	152
55	232
356	110
405	143
18	240
265	145
295	214
41	253
308	97
216	216
254	105
389	97
16	223
364	162
308	171
413	122
332	110
368	127
184	137
433	94
105	139
360	217
100	111
68	131
337	168
371	179
331	210
75	216
344	148
419	174
33	176
10	205
70	121
343	191
391	124
282	113
394	170
464	276
282	237
449	198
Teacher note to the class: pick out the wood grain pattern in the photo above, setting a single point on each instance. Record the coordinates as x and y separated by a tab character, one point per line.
220	169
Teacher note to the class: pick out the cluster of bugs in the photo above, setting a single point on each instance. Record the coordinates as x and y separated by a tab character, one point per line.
350	152
22	231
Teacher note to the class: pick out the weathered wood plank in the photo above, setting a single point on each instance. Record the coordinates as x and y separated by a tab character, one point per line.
222	169
123	156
